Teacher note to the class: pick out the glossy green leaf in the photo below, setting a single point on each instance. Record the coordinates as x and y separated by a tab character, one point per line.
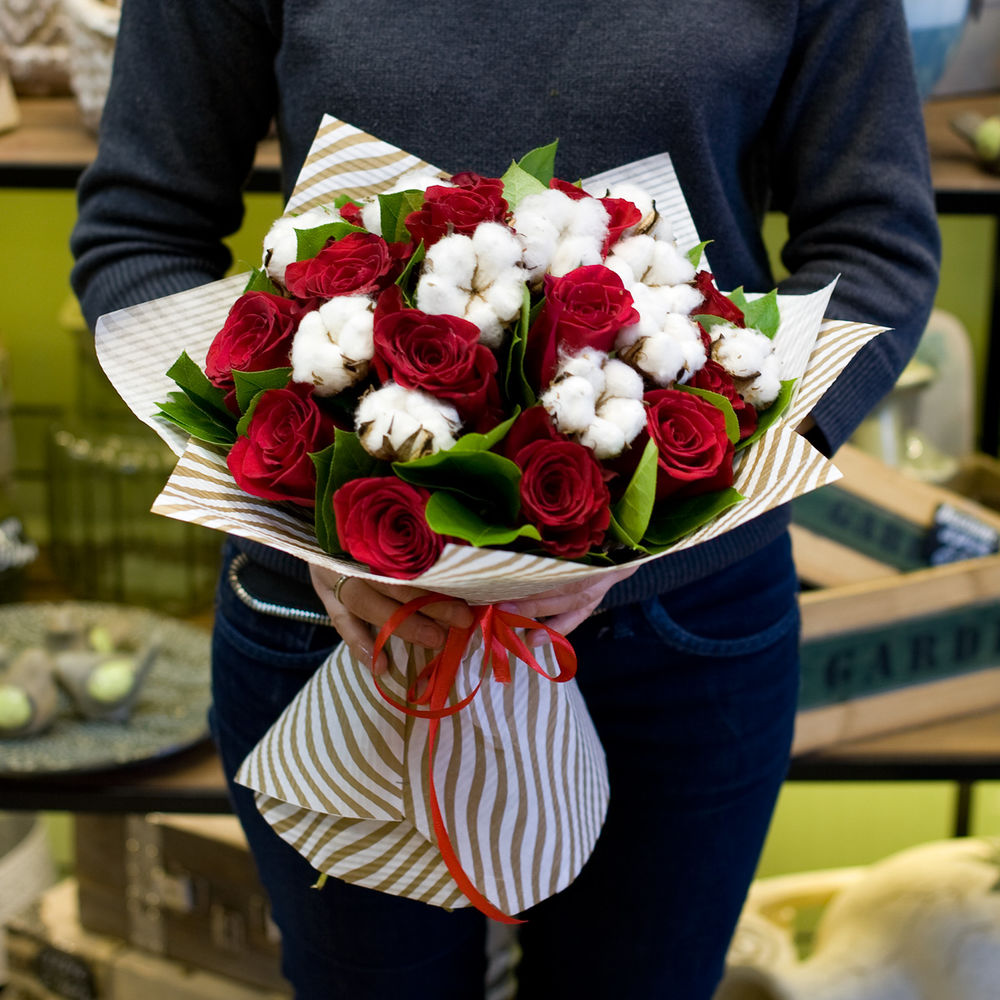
178	409
309	242
630	516
395	208
540	163
674	519
259	281
249	384
447	515
697	252
518	183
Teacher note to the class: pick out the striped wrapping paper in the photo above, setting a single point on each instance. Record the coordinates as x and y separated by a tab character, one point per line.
520	773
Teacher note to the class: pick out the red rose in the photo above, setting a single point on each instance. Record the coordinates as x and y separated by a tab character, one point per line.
532	424
715	303
715	378
272	459
358	264
458	209
380	522
585	308
440	355
257	336
696	455
623	214
563	494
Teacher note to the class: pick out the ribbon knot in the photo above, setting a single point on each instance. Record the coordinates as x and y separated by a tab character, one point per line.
433	687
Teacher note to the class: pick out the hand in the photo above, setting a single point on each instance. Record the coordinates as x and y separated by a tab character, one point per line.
563	608
364	604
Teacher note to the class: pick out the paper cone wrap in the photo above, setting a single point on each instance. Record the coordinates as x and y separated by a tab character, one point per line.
519	771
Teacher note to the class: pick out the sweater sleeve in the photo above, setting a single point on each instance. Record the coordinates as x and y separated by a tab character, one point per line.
192	92
849	167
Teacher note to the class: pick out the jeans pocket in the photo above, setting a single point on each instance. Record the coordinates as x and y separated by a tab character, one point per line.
754	640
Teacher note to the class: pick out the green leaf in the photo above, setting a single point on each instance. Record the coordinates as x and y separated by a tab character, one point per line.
762	314
309	242
345	199
708	320
447	515
738	299
696	252
515	385
249	384
196	386
518	183
484	442
540	162
403	281
767	418
395	208
489	480
325	521
630	516
182	412
260	282
677	518
619	532
351	461
720	403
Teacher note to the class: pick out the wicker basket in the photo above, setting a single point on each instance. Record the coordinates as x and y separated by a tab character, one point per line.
92	27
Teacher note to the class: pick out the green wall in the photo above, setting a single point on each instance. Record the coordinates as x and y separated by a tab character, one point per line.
816	825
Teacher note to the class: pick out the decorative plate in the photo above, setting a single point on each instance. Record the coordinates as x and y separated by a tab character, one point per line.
169	715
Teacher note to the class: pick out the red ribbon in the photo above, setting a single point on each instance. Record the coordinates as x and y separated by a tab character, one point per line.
432	687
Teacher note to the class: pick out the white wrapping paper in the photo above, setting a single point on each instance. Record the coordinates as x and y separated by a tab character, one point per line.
519	772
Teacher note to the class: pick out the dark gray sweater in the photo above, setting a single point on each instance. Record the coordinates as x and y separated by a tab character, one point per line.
802	106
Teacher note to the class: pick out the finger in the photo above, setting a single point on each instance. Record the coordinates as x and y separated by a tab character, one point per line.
365	600
358	637
447	612
564	624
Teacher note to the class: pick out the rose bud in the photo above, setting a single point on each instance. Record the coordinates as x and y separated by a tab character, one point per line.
586	308
460	207
272	459
257	336
381	522
358	264
415	180
564	495
695	453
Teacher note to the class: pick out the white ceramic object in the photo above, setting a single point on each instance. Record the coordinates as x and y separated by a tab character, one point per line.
923	924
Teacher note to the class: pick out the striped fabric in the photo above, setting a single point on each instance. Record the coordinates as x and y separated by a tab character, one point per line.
520	773
343	776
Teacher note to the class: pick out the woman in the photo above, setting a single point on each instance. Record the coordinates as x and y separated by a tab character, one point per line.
690	668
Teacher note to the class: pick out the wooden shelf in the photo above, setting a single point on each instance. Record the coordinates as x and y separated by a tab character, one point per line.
51	147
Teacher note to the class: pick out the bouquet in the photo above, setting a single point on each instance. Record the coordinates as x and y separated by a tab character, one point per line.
487	386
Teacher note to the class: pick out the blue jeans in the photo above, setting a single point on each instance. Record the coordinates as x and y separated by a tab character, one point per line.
693	695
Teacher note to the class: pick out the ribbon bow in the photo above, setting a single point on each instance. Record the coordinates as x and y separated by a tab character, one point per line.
432	688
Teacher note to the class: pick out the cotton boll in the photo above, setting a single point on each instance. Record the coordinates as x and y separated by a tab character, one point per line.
636	252
401	424
318	361
663	230
659	357
683	299
622	381
573	252
763	390
604	438
742	352
639	197
627	414
452	259
497	251
587	363
281	245
668	266
440	297
570	402
350	319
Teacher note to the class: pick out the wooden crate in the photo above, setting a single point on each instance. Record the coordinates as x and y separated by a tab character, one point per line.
52	956
890	641
184	887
